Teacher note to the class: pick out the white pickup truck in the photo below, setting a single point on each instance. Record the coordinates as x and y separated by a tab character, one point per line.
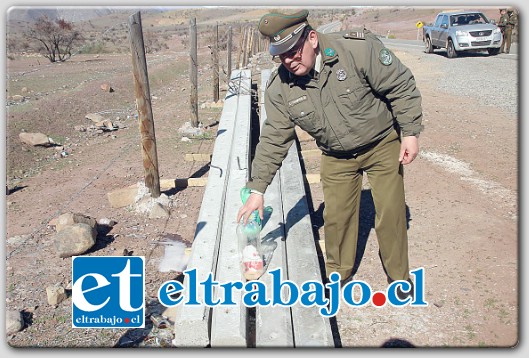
462	31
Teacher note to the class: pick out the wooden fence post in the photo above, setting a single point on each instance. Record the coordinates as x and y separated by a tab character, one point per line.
216	64
245	44
193	71
241	46
250	46
229	52
143	105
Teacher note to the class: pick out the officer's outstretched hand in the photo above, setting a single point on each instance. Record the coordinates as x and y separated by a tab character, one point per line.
254	202
409	148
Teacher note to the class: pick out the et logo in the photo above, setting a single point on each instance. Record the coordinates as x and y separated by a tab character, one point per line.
108	292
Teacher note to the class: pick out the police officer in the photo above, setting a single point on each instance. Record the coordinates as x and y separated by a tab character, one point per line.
362	106
502	22
510	23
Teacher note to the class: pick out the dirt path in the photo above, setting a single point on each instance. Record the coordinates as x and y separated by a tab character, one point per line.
461	197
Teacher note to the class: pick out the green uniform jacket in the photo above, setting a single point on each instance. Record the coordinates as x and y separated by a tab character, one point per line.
512	20
504	19
360	95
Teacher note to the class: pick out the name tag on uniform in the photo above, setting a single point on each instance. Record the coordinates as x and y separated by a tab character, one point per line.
297	100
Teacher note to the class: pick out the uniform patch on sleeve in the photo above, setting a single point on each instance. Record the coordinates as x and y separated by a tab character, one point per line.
385	57
329	52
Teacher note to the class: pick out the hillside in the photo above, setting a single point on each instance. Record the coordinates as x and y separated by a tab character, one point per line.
105	29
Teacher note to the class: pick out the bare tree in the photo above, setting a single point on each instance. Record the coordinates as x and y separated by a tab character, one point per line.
54	38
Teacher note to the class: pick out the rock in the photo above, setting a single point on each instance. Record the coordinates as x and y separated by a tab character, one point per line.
188	129
75	239
159	322
123	197
94	117
56	294
218	104
158	211
68	219
108	124
14	322
18	240
106	222
107	230
170	314
35	139
107	88
18	98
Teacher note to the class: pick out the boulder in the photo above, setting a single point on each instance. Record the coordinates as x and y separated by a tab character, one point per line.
68	219
75	239
94	117
107	88
35	139
56	294
14	321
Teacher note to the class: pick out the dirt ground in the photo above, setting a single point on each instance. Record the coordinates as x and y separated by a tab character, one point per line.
461	231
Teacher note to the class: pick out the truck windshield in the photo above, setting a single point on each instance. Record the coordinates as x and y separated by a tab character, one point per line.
468	19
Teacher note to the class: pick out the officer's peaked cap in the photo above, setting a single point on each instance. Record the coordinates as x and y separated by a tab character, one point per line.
283	30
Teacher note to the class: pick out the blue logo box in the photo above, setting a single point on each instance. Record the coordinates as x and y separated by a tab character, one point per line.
108	292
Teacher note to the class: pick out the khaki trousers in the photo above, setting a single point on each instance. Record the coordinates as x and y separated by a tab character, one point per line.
508	36
342	187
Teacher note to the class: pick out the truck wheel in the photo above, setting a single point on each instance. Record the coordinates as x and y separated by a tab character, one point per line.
451	51
428	45
493	51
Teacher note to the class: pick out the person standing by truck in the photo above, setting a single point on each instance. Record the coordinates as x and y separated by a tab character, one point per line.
362	106
502	22
512	21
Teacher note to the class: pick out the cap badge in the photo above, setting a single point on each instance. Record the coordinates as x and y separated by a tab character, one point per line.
277	38
385	57
341	74
329	51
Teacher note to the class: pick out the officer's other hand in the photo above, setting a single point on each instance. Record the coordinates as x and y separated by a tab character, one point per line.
409	148
254	202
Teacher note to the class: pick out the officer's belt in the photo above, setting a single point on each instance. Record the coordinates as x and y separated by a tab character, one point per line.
355	152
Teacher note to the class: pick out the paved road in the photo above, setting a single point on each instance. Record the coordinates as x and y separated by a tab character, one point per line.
328	28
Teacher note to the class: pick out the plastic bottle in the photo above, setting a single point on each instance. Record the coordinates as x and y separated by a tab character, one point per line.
249	236
250	256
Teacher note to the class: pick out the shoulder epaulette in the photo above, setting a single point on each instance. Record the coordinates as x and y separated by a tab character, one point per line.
357	35
280	72
273	75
